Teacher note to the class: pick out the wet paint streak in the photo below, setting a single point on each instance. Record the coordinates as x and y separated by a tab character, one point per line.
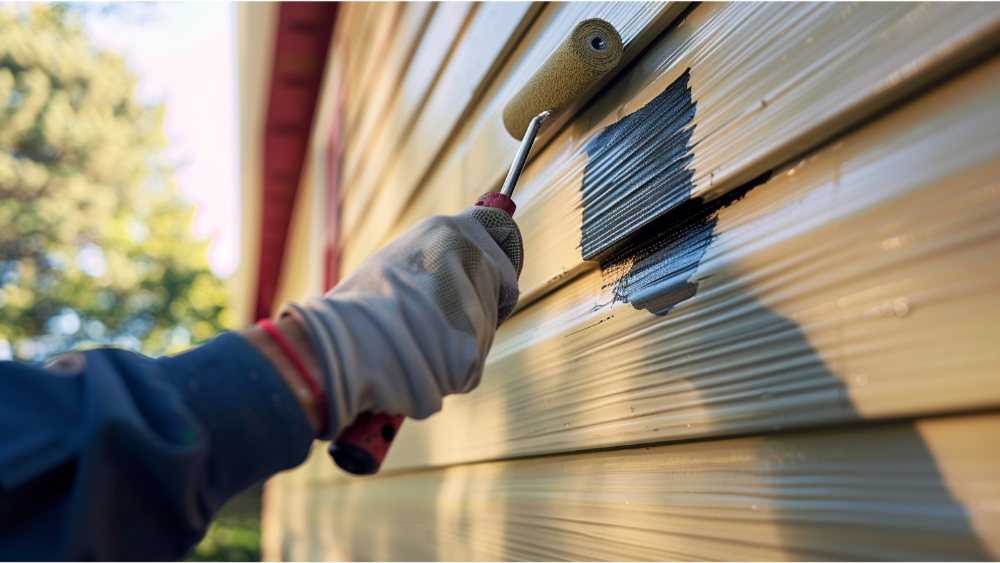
651	269
639	219
637	169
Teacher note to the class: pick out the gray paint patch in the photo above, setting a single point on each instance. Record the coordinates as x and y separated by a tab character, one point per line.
639	219
637	169
651	269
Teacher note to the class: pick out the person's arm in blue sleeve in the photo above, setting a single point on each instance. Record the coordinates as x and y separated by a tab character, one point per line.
109	455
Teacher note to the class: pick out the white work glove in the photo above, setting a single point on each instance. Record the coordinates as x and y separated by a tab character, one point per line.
415	321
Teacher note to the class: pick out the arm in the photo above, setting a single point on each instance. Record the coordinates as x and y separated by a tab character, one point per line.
109	455
106	454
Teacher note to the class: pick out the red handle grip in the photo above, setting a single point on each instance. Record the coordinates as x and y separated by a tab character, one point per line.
498	200
361	448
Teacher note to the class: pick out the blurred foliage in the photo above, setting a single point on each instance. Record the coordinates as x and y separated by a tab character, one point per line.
95	243
235	533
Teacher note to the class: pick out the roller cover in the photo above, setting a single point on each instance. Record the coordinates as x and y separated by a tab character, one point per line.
591	50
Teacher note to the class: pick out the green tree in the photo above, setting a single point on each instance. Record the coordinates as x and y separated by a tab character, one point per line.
95	243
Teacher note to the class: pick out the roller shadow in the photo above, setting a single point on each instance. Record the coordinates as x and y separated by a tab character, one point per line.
895	508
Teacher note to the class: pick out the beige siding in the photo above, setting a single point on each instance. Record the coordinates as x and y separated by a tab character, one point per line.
484	124
913	491
855	290
257	23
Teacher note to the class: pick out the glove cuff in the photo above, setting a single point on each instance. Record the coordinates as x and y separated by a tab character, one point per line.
325	351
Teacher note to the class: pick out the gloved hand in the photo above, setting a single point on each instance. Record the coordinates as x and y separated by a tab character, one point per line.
415	321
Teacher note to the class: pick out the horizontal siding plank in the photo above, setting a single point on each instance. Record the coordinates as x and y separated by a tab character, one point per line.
927	490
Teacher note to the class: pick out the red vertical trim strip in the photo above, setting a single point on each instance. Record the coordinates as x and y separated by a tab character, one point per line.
300	53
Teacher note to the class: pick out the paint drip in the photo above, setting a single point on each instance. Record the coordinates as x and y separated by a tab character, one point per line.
639	219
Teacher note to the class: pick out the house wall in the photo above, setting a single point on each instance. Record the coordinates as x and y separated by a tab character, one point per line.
796	360
256	33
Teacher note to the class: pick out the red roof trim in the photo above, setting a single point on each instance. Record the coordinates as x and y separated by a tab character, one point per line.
303	39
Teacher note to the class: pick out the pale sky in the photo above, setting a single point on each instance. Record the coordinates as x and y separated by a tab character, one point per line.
185	55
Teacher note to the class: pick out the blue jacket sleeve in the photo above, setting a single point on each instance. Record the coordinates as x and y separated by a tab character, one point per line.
109	455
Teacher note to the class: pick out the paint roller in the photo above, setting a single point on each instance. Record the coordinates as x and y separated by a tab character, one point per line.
592	49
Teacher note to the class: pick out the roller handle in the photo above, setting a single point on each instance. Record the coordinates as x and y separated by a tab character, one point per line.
361	448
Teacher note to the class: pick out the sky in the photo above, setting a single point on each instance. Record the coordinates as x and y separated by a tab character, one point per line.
185	55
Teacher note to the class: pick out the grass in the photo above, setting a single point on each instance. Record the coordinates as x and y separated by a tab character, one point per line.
235	533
